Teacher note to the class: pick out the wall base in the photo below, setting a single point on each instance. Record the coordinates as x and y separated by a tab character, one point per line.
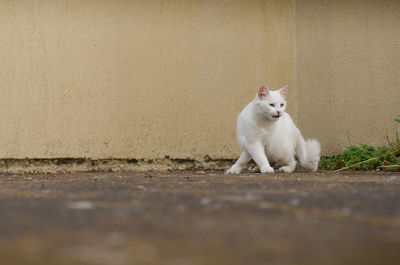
63	165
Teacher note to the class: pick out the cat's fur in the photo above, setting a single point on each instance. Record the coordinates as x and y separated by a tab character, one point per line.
267	134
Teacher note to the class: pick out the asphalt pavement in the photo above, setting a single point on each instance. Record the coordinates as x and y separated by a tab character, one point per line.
200	218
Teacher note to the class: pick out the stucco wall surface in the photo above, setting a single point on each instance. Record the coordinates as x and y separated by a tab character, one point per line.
348	71
149	79
142	79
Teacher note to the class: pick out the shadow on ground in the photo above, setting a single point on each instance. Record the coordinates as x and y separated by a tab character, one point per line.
196	218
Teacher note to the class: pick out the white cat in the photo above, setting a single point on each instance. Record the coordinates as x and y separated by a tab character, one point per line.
267	134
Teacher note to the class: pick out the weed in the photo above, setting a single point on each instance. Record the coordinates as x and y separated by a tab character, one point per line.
366	157
354	157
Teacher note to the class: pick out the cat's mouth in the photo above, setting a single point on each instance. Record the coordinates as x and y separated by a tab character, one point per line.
276	116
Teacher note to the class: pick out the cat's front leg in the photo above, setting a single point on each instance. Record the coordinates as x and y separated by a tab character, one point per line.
257	152
240	163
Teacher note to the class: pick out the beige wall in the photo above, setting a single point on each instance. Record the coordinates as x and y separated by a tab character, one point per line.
348	70
141	79
149	79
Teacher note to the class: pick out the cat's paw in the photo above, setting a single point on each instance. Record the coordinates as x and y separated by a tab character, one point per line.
267	169
286	169
233	170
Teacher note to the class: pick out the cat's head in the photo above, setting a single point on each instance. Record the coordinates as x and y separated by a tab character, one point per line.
271	104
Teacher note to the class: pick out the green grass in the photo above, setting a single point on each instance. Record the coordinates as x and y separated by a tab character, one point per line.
366	157
398	120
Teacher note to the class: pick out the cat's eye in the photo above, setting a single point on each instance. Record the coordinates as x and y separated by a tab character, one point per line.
282	105
272	105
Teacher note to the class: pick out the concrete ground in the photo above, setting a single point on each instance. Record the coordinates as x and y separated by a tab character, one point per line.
196	218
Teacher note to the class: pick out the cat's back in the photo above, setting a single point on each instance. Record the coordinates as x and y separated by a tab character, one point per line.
246	115
247	128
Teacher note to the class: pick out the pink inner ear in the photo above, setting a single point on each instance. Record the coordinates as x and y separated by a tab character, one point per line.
262	92
284	90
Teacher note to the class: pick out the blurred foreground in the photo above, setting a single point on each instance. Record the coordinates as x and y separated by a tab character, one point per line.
196	218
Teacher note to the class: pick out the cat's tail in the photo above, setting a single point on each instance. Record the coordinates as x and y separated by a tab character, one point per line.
308	153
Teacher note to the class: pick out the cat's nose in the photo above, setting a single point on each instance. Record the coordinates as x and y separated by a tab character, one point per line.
278	112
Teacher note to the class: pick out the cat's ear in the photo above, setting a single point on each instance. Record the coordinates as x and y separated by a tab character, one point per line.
263	92
283	91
